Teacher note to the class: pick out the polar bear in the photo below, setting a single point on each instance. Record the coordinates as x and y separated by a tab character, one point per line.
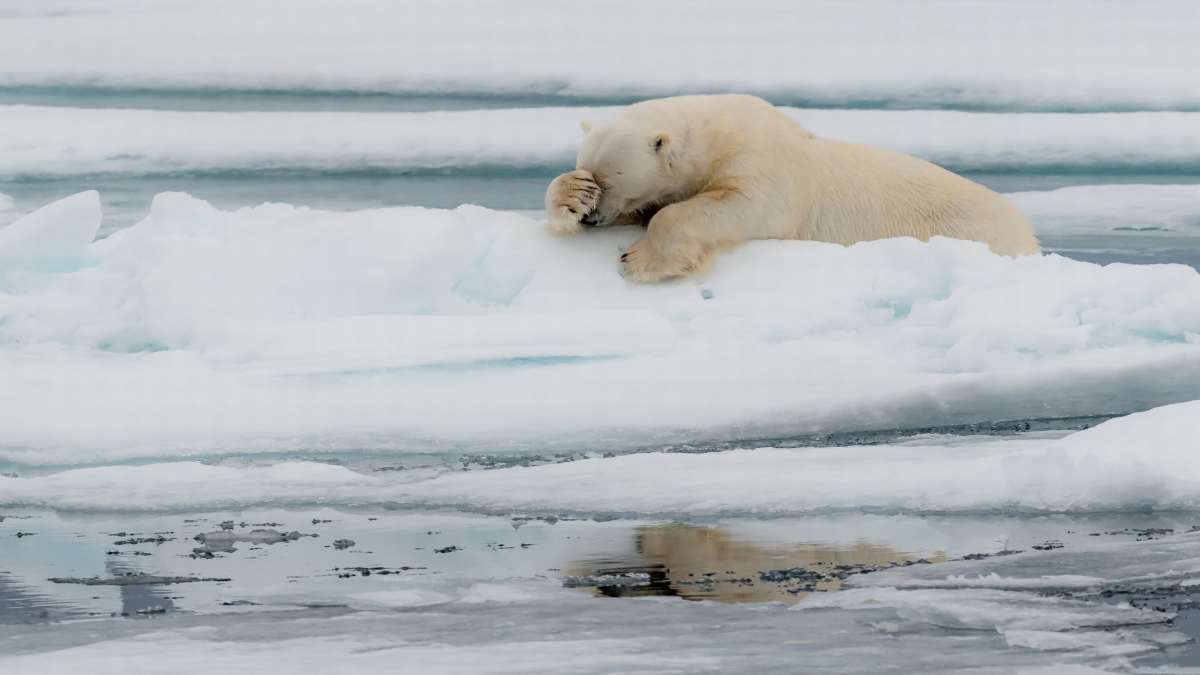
709	172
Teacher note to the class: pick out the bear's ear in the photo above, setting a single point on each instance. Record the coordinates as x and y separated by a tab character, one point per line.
660	142
585	125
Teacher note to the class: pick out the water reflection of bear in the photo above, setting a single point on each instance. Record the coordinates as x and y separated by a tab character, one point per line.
708	563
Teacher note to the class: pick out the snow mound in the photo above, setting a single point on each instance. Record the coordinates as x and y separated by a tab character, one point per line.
54	141
281	327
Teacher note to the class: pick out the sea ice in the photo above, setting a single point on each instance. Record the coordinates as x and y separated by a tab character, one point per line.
1076	56
1144	460
40	141
200	330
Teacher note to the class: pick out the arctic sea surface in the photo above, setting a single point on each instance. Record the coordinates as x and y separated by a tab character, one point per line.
293	379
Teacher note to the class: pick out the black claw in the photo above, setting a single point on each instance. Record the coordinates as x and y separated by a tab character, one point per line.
624	256
571	209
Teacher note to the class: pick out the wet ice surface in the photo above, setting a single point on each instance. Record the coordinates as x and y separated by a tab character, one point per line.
452	590
541	574
549	561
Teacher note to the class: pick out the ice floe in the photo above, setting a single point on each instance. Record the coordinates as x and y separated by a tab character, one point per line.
1142	461
1145	460
201	330
1113	209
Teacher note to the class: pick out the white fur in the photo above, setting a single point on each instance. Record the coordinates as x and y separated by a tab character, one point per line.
707	172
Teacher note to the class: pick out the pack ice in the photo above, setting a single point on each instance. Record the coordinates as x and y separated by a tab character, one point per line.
200	330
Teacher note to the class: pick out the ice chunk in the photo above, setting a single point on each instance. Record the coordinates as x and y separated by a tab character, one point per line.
53	238
223	540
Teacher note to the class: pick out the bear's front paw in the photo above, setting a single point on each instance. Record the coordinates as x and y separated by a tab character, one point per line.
569	199
643	263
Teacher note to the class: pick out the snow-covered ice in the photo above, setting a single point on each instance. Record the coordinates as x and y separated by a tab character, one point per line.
1076	55
43	141
202	330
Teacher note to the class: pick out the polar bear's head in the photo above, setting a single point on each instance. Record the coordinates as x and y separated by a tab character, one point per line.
634	166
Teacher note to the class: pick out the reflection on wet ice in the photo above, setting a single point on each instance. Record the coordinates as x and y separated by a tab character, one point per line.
708	563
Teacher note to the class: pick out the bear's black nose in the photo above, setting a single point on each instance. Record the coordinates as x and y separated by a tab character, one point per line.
589	220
